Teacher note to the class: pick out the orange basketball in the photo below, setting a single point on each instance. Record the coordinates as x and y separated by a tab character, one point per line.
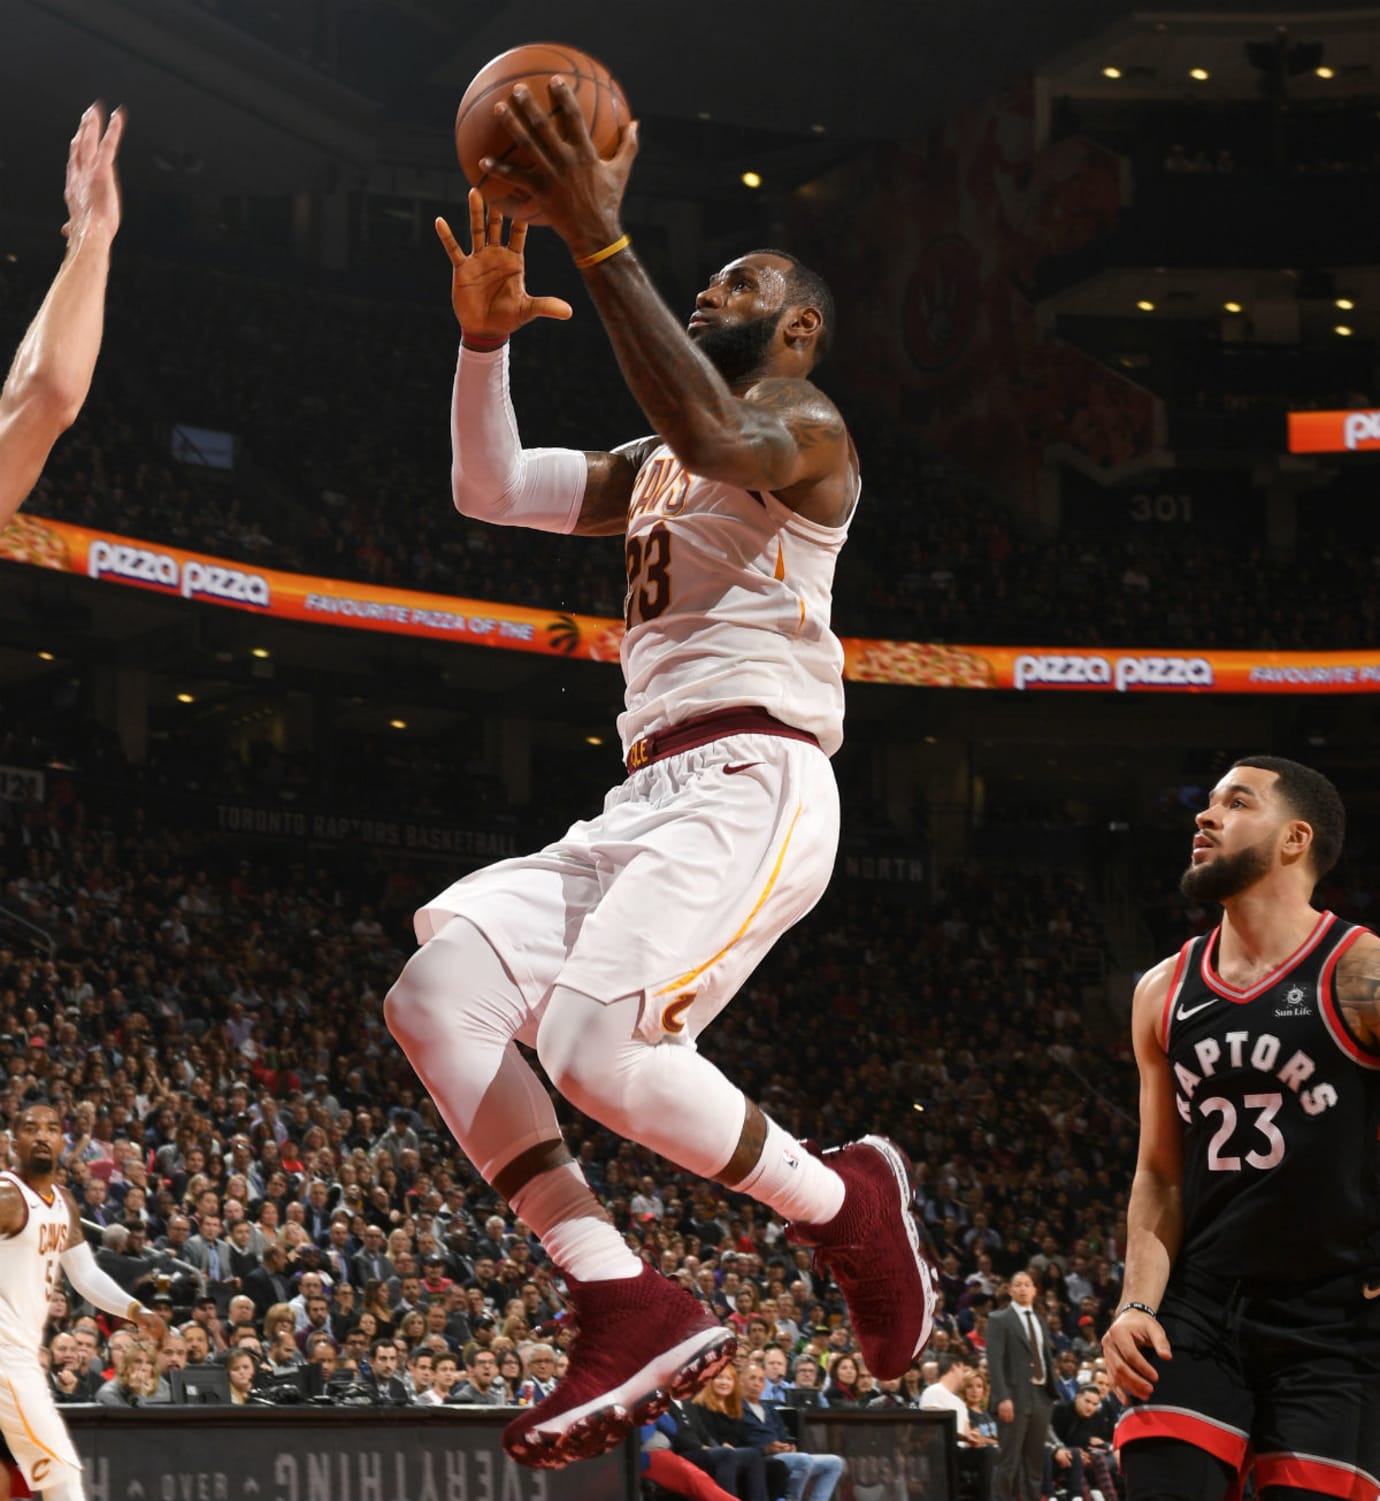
479	133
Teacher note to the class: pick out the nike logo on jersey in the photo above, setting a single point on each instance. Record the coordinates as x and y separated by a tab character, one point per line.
1184	1012
732	771
1370	1292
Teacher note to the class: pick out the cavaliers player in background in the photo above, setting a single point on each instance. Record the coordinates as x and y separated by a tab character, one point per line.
613	948
40	1233
52	369
1250	1320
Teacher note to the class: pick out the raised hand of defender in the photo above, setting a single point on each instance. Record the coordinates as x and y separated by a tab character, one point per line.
92	190
487	289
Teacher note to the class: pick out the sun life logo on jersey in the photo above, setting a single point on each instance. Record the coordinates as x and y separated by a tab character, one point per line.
1295	1002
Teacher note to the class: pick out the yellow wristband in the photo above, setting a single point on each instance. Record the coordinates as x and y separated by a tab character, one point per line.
586	261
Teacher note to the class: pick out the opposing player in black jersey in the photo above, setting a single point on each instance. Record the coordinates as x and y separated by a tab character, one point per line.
1250	1323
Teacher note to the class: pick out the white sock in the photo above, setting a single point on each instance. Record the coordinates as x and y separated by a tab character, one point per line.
792	1181
558	1205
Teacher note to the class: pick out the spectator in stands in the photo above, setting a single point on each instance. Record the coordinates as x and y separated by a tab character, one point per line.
383	1373
1076	1425
240	1368
766	1431
70	1378
481	1385
539	1380
841	1389
137	1382
445	1376
715	1419
946	1394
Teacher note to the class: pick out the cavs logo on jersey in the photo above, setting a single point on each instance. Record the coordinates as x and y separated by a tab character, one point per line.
662	485
52	1239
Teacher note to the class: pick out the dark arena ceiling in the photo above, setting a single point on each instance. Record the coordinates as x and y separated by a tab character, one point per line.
284	95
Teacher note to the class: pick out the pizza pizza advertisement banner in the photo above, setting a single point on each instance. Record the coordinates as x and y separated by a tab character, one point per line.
161	569
173	571
1334	432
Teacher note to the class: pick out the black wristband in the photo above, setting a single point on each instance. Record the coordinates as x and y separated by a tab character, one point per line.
1140	1308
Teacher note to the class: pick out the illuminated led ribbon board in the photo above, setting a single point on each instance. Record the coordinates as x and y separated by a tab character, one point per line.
159	569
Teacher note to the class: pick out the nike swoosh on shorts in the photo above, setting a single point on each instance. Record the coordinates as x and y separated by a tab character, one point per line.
732	771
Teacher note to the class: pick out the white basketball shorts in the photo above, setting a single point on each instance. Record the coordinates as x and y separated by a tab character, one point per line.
31	1423
695	867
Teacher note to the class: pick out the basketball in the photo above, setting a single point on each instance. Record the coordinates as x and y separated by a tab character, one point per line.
479	133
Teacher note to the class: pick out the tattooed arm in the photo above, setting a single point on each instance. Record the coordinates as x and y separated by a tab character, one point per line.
1356	985
782	435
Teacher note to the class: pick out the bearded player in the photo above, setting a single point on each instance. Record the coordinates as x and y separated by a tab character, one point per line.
1251	1314
52	369
40	1232
612	949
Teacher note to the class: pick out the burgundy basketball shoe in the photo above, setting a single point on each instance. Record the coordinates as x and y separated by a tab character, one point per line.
872	1250
640	1342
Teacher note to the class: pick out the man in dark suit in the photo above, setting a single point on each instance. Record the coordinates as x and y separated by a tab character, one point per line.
267	1284
1020	1362
371	1263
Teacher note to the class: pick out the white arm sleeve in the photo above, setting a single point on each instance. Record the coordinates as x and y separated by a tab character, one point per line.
93	1284
492	477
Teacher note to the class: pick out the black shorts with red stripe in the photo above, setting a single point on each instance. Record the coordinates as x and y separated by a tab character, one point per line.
1284	1378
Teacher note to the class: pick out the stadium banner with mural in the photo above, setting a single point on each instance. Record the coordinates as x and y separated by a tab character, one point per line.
1334	432
175	572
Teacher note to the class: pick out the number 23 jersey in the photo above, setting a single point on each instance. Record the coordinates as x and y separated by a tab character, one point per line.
1281	1109
728	605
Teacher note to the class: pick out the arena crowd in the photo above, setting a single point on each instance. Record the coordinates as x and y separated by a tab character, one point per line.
211	1031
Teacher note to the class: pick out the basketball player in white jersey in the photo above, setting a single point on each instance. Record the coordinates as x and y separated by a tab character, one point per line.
52	369
612	949
40	1232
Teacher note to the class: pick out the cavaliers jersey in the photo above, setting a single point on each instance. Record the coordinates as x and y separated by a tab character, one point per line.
1281	1113
728	605
29	1269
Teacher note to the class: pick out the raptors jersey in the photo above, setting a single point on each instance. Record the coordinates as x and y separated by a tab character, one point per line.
29	1267
728	605
1281	1110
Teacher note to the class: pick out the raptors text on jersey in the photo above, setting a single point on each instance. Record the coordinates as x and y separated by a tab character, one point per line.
1281	1113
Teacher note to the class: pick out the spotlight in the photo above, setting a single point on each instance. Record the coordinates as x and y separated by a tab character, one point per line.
1111	72
46	656
1145	305
1344	330
752	179
186	698
261	652
1199	75
1325	72
397	724
1231	307
1344	304
594	739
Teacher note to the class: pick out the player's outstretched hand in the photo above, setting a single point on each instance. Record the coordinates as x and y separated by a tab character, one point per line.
487	289
153	1326
93	190
1131	1333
